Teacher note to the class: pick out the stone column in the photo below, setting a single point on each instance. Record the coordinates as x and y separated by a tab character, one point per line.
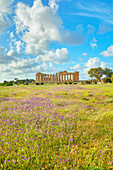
70	77
47	77
37	78
41	77
67	77
59	77
73	77
53	77
78	76
50	77
62	78
56	76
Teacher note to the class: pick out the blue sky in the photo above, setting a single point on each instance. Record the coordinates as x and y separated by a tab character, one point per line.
54	35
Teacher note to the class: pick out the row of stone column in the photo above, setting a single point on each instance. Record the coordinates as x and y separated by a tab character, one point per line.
46	77
65	77
57	77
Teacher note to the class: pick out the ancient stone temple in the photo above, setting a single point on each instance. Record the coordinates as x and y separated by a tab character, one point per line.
58	77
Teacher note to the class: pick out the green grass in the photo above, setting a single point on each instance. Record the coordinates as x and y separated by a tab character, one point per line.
56	127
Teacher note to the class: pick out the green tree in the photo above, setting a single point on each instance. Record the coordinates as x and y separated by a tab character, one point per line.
96	72
108	72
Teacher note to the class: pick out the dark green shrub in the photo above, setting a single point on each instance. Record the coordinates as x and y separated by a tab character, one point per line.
65	82
57	83
37	83
41	83
70	82
26	83
87	82
8	84
107	80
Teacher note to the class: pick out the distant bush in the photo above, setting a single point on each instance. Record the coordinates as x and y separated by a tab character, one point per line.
65	82
107	80
112	78
94	81
1	84
41	83
57	83
37	83
26	83
8	84
70	82
87	82
74	82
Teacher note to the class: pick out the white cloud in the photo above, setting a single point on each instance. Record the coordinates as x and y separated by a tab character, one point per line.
79	28
28	65
12	53
11	35
50	64
94	40
92	63
4	10
58	57
75	67
104	28
108	52
103	65
91	29
19	45
5	6
4	58
93	43
41	25
72	38
22	64
3	24
84	54
81	59
53	4
100	10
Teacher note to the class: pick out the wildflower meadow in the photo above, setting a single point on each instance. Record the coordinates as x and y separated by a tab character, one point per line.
50	127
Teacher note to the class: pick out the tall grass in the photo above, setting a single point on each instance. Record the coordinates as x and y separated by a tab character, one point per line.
56	127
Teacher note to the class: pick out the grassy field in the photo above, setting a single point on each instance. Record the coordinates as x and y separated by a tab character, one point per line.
56	127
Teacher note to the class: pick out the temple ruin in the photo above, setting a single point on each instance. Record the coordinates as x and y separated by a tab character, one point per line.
58	77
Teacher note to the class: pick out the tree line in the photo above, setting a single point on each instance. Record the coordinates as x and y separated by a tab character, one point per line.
16	81
99	72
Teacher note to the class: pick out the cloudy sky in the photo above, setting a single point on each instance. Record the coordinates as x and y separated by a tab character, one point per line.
54	35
